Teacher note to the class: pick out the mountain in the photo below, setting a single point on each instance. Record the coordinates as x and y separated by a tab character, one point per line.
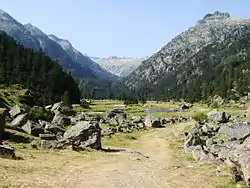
211	57
61	50
120	66
34	70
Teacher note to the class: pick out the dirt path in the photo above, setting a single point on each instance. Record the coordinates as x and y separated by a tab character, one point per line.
152	161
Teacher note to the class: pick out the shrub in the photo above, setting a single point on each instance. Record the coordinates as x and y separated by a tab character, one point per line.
199	116
38	113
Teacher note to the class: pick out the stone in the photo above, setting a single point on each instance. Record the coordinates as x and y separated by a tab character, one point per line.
156	124
218	116
47	136
78	117
137	119
16	110
184	107
19	121
148	120
48	108
49	144
87	132
50	127
200	155
55	107
33	128
114	112
61	120
235	131
7	151
113	122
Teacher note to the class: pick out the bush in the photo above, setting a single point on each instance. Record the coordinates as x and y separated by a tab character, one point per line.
199	116
38	113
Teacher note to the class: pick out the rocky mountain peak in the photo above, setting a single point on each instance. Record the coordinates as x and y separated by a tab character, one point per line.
216	16
34	30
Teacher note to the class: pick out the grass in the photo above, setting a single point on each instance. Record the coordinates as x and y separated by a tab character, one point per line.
9	95
122	139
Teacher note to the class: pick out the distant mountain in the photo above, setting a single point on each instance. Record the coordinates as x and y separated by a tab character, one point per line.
212	57
69	58
120	66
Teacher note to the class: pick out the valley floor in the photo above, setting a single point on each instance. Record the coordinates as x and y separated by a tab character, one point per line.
152	159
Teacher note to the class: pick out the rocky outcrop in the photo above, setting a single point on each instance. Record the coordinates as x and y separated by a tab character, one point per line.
209	142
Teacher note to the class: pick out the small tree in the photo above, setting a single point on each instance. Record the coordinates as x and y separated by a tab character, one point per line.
66	99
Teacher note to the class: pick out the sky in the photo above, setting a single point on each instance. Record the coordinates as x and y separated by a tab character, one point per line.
124	28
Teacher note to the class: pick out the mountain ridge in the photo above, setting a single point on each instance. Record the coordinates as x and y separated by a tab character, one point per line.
32	37
156	71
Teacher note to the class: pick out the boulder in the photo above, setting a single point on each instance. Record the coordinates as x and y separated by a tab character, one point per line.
48	108
218	116
200	155
48	144
78	117
61	120
148	120
55	107
47	136
113	122
50	127
235	131
7	151
184	107
16	110
240	156
33	128
156	124
137	119
114	112
125	128
88	133
19	121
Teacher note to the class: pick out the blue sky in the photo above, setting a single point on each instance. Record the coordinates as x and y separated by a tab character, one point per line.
132	28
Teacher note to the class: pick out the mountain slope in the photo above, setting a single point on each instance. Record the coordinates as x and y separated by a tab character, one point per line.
119	66
32	37
162	75
35	71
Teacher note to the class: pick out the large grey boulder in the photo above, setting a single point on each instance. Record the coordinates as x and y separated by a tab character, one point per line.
88	133
16	110
78	117
19	121
218	116
235	131
33	128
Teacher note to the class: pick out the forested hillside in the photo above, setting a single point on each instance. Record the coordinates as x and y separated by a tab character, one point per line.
35	71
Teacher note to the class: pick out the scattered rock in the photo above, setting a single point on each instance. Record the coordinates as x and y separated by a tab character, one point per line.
184	107
7	151
114	112
47	136
218	116
16	110
49	144
61	120
156	124
19	121
33	128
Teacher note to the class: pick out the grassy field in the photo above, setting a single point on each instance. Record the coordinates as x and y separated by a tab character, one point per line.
66	168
